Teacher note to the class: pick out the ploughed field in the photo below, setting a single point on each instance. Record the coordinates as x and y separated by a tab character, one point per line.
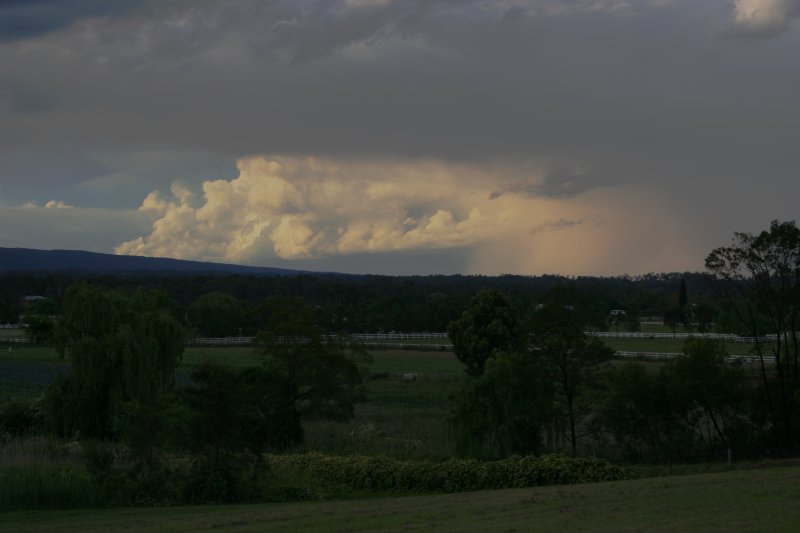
745	500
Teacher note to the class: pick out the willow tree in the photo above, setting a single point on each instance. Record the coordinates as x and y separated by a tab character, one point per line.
122	348
758	276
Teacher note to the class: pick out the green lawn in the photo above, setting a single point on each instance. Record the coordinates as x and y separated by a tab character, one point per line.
746	501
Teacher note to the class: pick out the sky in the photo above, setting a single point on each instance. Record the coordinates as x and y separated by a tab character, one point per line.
574	137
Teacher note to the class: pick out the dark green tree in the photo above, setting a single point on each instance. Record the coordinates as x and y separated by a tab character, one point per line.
703	315
39	328
758	278
246	410
217	315
505	410
235	417
322	371
123	348
42	306
714	392
646	415
572	359
674	315
487	327
10	308
683	298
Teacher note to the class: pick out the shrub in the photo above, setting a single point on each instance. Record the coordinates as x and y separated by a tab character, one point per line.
17	419
47	487
226	477
455	475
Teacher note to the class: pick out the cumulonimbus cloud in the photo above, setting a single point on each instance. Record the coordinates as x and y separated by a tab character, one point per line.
305	207
297	207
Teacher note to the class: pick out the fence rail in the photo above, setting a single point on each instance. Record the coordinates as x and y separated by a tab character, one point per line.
14	340
367	337
219	341
399	336
364	337
666	356
726	337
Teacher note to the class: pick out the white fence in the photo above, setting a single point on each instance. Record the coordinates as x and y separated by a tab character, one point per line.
220	341
725	337
14	340
399	336
432	335
666	356
363	337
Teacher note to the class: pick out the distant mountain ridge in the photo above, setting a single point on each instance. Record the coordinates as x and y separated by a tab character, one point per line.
29	259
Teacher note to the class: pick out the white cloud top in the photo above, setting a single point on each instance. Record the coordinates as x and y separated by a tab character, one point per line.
307	207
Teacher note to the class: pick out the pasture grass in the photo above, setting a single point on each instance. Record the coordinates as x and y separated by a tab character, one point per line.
747	500
401	419
665	345
649	327
435	342
27	371
232	356
28	353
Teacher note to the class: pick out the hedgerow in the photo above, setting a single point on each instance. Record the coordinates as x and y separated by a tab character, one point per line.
455	475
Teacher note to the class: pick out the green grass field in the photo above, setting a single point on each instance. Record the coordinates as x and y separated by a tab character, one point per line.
746	501
666	345
404	419
11	332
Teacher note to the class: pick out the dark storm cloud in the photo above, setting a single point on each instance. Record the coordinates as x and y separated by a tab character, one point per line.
563	223
592	95
21	19
460	80
557	181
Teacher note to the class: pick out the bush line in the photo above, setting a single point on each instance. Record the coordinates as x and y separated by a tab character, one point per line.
75	486
455	475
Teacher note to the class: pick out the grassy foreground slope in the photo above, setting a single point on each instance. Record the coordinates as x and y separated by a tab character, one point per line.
751	500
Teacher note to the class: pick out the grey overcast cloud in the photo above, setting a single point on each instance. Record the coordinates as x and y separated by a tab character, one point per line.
596	137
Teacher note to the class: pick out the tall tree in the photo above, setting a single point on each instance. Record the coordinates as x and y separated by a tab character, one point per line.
573	359
758	276
645	414
714	392
683	298
123	348
487	327
322	371
673	316
505	410
217	315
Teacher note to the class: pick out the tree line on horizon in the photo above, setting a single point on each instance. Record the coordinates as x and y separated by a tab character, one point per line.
225	305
